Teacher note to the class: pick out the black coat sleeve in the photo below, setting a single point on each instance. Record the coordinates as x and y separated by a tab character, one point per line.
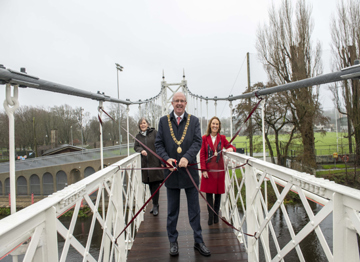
137	146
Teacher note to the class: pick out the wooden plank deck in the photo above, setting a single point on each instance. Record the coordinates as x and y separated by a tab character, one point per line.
152	244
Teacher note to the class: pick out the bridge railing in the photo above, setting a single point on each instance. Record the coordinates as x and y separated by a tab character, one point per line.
112	195
250	188
32	232
65	158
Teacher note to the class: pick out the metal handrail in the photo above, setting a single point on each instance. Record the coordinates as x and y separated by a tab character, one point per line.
33	231
342	202
52	160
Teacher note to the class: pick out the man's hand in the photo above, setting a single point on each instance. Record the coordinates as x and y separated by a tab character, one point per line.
144	153
172	162
183	162
205	174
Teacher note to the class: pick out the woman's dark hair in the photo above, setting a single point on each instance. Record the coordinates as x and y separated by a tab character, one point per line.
140	121
208	130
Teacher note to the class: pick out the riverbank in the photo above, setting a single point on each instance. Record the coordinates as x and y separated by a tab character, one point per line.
25	201
343	174
21	201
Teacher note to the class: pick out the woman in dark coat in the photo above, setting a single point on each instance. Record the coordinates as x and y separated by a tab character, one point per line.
153	178
211	158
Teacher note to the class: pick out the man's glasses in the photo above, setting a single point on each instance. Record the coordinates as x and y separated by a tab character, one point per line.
179	101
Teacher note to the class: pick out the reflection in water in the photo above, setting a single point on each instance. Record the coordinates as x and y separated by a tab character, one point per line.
310	246
81	233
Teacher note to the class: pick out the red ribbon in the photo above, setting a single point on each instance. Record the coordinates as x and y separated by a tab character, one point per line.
252	111
175	168
227	223
128	224
160	158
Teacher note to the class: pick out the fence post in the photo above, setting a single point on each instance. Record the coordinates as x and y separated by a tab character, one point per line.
251	209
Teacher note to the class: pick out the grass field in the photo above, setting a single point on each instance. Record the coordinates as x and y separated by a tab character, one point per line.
324	144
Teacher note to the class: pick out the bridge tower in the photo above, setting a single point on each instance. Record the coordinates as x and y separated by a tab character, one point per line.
167	98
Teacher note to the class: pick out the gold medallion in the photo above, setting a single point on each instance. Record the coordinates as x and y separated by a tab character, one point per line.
215	154
179	149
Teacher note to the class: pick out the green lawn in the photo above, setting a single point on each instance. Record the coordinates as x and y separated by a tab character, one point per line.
324	145
333	166
340	171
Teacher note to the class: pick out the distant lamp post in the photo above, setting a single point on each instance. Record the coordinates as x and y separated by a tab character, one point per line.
71	135
119	68
81	126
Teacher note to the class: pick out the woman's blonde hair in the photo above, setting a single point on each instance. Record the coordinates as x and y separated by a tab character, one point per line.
208	130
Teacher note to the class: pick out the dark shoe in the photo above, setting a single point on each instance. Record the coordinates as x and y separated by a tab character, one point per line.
211	218
202	249
152	210
216	219
156	210
174	249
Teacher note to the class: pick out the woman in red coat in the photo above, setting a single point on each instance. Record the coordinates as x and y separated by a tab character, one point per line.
211	158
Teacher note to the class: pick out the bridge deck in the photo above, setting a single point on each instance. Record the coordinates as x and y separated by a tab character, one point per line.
152	244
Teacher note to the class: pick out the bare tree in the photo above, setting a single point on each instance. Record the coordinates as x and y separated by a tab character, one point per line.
278	120
26	127
150	111
85	123
65	121
4	131
113	128
346	48
33	126
285	48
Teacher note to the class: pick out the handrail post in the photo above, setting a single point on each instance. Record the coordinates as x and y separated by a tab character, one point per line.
231	123
215	103
11	103
207	113
263	128
101	135
201	126
127	127
251	208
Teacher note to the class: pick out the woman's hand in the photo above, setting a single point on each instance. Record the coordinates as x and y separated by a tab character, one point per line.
144	153
205	174
230	149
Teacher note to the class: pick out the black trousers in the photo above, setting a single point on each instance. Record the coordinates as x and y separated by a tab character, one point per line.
153	186
214	204
192	196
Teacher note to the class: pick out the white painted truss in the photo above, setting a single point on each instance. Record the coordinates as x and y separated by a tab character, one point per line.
249	191
33	231
113	196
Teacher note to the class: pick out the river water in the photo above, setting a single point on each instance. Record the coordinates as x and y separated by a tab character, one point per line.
310	246
81	231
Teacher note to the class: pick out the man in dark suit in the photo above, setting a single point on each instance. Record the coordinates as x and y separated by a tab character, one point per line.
179	138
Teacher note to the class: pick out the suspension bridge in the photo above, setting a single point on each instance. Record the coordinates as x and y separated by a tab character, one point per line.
115	194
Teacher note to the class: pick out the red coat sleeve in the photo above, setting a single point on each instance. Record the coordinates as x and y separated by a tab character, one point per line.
226	143
203	153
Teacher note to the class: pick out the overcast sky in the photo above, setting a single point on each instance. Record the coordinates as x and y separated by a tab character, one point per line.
77	43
